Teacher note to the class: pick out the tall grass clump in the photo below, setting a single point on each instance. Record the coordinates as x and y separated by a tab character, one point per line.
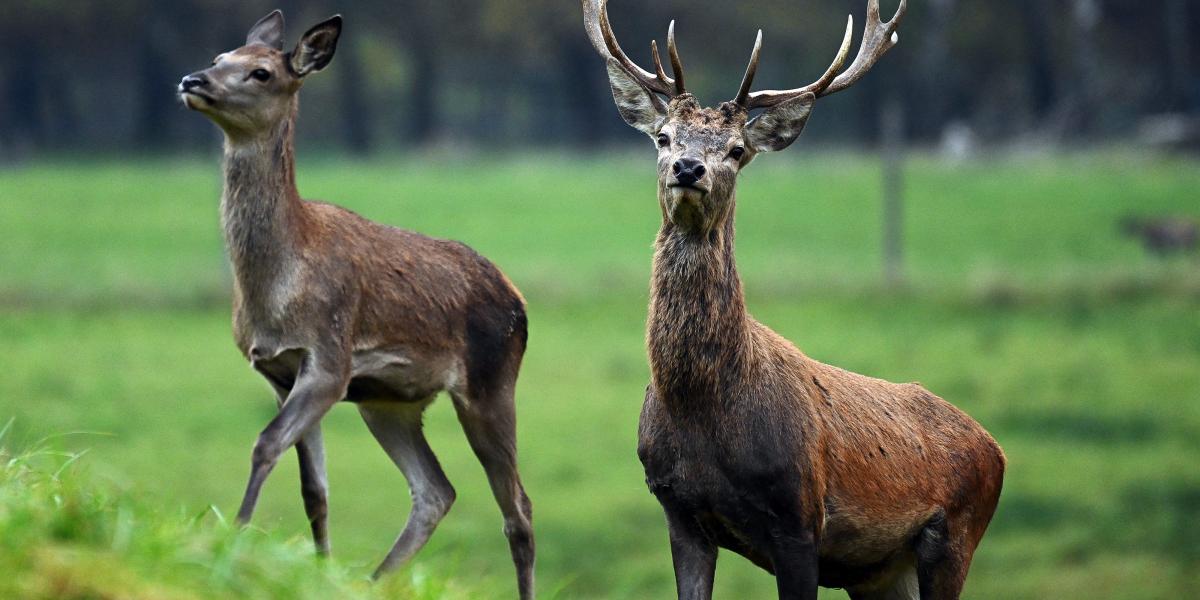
65	536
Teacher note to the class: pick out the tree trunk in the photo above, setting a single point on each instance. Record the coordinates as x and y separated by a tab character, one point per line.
938	90
1039	64
892	133
580	70
1178	55
155	92
421	111
27	126
355	116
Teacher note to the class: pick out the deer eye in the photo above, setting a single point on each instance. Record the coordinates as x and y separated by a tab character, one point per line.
664	140
737	153
260	74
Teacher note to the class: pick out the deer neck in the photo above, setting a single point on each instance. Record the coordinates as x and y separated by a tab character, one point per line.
261	211
697	331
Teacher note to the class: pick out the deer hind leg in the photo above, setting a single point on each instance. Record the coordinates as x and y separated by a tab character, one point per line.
397	427
904	587
489	421
943	557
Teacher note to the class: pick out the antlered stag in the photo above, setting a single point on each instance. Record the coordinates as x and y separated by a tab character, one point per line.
330	306
818	475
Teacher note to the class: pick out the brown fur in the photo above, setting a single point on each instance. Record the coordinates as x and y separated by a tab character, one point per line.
329	306
816	474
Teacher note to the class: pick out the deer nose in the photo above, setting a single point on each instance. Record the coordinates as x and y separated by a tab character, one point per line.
194	80
688	171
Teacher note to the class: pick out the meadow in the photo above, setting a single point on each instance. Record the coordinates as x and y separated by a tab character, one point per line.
1024	306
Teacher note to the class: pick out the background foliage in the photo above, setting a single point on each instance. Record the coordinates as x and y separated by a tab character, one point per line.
99	77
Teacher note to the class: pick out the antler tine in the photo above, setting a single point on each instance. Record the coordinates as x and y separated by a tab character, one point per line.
751	70
767	98
676	64
599	30
839	61
658	68
878	38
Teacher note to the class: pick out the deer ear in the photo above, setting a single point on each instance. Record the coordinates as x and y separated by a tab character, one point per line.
637	105
316	47
777	127
268	31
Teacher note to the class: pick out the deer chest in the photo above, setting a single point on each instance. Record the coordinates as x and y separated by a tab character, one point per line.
696	486
727	484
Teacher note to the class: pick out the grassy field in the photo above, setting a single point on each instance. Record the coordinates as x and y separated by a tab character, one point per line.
1025	308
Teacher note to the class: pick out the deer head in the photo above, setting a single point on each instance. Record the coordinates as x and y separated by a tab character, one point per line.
702	150
250	90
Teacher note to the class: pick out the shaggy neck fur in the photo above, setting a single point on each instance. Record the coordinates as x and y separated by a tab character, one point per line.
697	332
261	211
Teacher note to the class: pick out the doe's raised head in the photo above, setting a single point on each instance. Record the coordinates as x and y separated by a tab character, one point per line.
249	90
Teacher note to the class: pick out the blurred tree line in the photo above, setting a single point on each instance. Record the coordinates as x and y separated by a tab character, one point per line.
99	77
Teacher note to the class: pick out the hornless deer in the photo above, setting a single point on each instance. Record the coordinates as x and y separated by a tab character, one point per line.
330	306
820	476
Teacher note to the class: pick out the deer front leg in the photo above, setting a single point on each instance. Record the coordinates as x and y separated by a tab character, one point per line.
694	558
317	389
314	486
794	555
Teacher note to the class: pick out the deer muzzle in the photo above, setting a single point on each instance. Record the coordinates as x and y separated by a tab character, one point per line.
193	87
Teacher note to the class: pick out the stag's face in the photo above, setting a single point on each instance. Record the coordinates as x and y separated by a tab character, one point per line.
250	90
702	150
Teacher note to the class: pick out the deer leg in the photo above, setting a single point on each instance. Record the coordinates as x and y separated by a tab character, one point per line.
315	392
693	556
942	561
397	427
794	555
491	428
314	486
790	540
903	587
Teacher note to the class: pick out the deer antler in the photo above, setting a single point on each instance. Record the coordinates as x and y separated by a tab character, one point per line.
878	38
599	30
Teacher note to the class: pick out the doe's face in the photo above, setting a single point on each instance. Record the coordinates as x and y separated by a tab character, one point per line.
247	90
250	90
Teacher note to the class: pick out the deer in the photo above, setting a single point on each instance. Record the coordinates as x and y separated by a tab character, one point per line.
820	476
329	306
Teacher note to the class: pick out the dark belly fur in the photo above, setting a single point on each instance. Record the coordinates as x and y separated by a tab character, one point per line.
832	572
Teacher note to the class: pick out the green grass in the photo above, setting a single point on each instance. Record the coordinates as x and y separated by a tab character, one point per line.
149	231
62	537
1025	308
